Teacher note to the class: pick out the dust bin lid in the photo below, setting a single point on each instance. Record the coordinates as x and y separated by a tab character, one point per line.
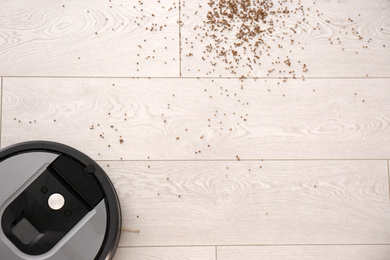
56	203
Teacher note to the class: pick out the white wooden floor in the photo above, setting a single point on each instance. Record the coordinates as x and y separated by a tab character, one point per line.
208	165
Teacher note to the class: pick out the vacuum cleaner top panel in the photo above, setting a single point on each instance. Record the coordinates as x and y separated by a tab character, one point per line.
55	203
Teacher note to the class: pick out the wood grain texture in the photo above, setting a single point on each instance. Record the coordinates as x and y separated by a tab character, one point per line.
89	38
177	119
256	202
272	209
351	252
165	253
322	52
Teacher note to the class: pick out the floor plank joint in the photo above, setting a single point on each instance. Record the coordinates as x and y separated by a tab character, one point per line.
180	49
388	176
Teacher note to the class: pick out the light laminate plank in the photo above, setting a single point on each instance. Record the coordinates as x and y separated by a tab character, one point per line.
89	38
177	119
252	203
344	252
332	49
165	253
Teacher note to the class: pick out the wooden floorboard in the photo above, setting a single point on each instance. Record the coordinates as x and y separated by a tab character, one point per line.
44	39
89	38
344	252
330	49
167	253
258	202
202	119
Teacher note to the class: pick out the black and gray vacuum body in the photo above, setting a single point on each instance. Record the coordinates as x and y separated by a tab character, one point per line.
55	203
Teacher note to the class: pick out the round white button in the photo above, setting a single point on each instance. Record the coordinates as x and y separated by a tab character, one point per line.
56	201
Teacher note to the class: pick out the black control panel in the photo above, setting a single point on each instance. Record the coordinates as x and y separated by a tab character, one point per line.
32	224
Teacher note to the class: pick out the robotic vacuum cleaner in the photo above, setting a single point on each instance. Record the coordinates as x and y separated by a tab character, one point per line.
55	203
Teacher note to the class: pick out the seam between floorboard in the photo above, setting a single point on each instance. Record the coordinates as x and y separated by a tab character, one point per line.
180	38
235	160
253	245
388	177
144	77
